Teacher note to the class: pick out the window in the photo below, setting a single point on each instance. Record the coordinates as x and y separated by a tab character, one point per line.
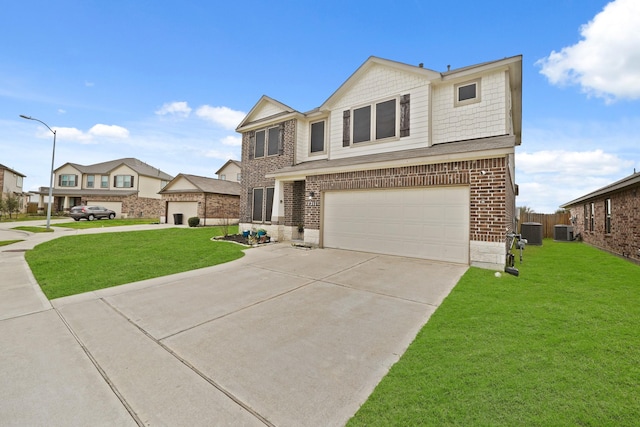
317	137
362	124
592	209
586	217
90	181
223	177
262	206
18	181
467	93
104	181
607	216
267	140
273	141
67	180
239	177
123	181
260	138
380	121
257	204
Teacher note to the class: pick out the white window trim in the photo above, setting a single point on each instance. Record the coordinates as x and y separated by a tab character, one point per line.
372	130
475	100
326	131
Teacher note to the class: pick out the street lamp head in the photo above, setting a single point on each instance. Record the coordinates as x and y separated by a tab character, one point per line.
26	117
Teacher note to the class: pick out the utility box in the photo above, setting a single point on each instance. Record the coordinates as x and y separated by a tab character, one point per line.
563	233
532	231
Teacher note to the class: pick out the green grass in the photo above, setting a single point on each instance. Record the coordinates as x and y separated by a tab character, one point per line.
557	346
8	242
33	229
82	224
74	264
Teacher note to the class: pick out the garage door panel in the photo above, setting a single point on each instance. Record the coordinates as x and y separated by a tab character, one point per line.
430	223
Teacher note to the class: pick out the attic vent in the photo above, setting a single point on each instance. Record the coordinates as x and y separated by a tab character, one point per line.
448	67
421	65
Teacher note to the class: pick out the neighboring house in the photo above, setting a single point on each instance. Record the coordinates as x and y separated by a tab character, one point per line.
399	160
609	218
214	201
11	182
128	186
230	171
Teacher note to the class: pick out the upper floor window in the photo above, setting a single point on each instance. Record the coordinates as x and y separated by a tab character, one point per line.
104	181
239	177
267	142
223	177
18	181
123	181
380	121
467	93
607	216
68	180
317	142
91	181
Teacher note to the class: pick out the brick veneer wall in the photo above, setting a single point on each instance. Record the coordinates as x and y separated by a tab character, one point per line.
488	191
134	206
211	205
254	170
624	239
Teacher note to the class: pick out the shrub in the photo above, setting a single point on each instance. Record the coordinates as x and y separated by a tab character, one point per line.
194	221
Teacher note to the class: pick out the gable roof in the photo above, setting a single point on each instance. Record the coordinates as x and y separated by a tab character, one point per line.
11	170
235	162
632	180
204	184
264	101
370	62
106	167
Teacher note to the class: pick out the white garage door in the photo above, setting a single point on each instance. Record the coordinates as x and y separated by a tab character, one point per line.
187	209
114	206
430	223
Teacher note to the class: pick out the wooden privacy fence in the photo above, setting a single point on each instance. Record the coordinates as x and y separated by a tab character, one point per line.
548	221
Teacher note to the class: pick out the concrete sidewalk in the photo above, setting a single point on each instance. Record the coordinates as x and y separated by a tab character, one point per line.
282	336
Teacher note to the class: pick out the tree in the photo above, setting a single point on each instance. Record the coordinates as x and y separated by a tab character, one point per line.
11	203
2	205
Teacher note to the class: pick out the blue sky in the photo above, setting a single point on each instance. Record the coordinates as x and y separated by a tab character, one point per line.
167	82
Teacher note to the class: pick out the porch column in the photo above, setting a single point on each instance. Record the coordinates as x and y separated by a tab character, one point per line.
277	210
40	203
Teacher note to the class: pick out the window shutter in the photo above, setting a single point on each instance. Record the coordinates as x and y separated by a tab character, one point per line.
405	111
132	181
346	127
252	140
281	140
115	182
59	180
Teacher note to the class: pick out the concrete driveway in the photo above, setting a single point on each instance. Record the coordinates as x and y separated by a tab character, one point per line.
284	336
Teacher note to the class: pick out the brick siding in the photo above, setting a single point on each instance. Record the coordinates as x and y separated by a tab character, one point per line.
624	239
211	205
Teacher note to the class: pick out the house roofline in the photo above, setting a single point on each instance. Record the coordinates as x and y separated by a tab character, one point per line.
622	184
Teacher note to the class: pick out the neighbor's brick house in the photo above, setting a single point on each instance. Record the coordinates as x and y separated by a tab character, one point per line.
127	186
400	160
11	182
214	201
609	218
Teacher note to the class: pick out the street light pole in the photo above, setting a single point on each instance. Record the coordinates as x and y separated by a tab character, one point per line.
53	155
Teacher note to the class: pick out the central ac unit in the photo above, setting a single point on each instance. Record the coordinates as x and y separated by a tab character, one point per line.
563	233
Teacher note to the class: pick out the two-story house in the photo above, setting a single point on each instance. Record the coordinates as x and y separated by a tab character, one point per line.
128	186
399	160
230	171
11	183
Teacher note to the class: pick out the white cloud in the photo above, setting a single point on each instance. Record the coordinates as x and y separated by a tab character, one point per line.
595	162
235	141
109	131
178	108
606	62
222	155
224	116
549	178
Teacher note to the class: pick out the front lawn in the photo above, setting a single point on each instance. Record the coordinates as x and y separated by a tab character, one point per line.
98	223
558	345
74	264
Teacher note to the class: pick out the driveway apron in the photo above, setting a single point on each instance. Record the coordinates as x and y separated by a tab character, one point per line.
284	336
